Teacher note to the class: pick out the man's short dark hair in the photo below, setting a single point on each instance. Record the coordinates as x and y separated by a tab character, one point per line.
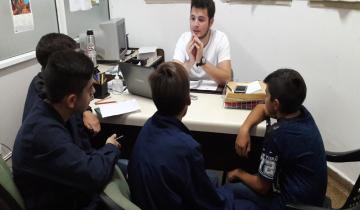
67	72
170	88
205	4
50	43
288	86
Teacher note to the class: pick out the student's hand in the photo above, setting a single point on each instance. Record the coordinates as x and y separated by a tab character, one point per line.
242	143
199	49
234	175
91	122
191	50
112	140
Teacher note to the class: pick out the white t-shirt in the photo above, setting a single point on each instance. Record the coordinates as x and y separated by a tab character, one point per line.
216	51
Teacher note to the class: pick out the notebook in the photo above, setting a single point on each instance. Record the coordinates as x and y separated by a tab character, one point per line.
137	78
206	86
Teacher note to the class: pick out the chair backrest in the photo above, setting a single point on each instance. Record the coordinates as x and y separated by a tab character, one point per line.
116	194
353	199
8	190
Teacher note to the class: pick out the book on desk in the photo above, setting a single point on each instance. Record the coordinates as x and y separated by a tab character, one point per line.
112	108
146	56
133	56
206	86
249	100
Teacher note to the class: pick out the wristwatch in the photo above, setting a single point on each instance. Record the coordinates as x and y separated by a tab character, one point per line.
202	61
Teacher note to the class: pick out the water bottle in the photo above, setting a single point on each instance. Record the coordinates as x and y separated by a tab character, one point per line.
117	85
90	48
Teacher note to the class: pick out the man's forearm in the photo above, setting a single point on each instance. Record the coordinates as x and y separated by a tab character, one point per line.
188	65
220	75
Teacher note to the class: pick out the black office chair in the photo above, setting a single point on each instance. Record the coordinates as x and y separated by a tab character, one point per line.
353	200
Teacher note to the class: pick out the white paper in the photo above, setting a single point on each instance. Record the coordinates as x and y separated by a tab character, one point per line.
194	84
147	49
103	68
203	85
118	108
148	53
76	5
253	87
22	16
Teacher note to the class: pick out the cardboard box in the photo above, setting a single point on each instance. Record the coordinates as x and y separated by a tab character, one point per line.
243	100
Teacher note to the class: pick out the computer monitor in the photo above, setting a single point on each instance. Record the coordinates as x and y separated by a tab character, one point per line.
110	40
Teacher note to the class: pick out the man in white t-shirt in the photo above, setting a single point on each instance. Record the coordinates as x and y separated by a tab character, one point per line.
204	52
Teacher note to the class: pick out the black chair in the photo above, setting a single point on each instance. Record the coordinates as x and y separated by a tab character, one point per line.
353	200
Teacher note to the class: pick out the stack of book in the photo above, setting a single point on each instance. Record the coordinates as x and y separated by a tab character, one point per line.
254	94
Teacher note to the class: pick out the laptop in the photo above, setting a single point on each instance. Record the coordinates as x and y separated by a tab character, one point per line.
137	78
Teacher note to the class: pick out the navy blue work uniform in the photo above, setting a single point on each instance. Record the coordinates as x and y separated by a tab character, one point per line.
166	170
51	167
36	92
293	159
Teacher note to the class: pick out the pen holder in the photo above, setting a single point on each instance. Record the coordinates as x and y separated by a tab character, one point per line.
101	90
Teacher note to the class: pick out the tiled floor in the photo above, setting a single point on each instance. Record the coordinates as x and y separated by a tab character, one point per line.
336	192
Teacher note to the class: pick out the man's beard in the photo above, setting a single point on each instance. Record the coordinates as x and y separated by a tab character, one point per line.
207	32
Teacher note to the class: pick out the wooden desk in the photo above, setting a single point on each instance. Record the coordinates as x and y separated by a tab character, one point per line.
206	114
213	126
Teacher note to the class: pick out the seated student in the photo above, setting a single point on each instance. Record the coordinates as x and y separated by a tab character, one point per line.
293	157
166	168
50	169
47	45
80	123
204	52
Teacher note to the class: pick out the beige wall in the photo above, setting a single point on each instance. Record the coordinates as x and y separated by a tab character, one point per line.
323	44
14	82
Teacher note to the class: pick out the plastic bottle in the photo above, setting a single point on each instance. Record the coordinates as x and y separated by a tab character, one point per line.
117	85
90	48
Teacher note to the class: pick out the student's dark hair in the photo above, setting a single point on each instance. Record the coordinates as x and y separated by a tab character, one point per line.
170	88
50	43
67	72
288	86
205	4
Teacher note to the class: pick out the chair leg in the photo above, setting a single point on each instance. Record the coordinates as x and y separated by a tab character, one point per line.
327	202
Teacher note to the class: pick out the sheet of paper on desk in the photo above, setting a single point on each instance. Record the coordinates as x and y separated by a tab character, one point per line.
147	49
253	87
118	108
107	68
203	85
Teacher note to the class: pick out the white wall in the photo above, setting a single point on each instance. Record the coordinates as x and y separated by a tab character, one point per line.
14	83
323	44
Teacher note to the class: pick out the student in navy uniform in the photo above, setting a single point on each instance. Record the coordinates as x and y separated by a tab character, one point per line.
47	45
83	126
50	169
166	168
293	158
